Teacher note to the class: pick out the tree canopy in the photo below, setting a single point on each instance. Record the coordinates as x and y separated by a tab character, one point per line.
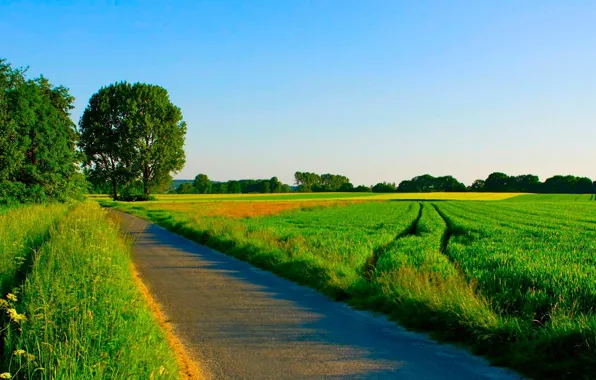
529	183
38	159
132	133
307	182
428	183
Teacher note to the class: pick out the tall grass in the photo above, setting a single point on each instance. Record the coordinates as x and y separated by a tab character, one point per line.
23	230
79	314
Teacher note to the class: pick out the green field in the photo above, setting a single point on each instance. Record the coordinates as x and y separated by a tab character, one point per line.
555	197
72	309
515	281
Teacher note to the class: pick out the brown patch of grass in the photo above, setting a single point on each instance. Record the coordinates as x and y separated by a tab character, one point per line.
244	209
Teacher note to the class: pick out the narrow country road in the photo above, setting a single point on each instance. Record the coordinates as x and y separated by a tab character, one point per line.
239	322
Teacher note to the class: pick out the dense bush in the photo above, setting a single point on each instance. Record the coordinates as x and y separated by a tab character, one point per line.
38	160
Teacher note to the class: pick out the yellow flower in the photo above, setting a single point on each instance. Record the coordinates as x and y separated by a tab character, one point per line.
16	317
5	375
19	352
11	297
3	304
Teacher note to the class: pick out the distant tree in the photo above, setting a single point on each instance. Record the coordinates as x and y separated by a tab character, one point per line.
497	182
527	183
265	187
306	181
234	187
220	188
568	185
362	189
275	185
185	188
285	188
202	184
448	184
346	187
427	183
477	186
384	187
38	159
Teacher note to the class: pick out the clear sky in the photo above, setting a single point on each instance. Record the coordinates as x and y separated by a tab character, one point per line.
375	90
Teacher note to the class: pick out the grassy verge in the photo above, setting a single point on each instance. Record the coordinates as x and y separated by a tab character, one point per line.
22	231
79	313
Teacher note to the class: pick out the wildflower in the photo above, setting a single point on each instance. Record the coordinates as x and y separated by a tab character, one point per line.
19	352
11	297
16	317
162	370
5	375
3	304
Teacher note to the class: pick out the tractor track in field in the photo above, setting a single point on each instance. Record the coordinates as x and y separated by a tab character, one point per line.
239	322
449	232
373	259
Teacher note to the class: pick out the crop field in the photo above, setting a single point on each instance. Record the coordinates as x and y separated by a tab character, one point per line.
515	281
70	307
555	197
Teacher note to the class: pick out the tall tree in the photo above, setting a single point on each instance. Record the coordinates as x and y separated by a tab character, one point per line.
158	135
202	184
106	136
132	132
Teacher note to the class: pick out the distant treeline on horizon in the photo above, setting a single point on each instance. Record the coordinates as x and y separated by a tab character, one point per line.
312	182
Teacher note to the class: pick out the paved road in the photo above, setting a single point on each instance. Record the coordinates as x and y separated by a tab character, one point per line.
240	322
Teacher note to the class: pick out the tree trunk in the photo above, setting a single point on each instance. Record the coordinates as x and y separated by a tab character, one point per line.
114	190
146	189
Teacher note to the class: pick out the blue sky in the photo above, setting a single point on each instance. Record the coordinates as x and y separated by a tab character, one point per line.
375	90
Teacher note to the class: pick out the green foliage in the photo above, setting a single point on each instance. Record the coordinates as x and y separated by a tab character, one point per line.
38	161
132	132
427	183
202	184
384	187
528	183
308	182
85	317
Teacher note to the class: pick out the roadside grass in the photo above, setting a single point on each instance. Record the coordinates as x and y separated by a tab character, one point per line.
79	313
476	273
23	229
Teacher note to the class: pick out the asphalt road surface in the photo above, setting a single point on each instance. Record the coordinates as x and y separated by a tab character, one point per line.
239	322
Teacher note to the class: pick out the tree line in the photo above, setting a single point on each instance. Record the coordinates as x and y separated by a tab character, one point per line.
312	182
528	183
203	185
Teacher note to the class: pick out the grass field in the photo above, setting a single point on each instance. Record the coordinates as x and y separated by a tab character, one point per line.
555	197
515	281
71	308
